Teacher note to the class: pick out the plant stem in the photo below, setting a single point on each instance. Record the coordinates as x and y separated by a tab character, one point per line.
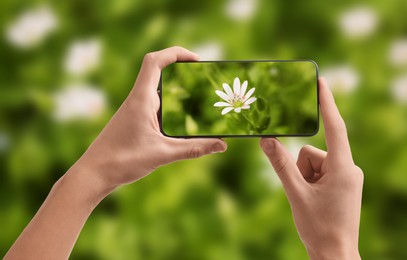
211	80
249	121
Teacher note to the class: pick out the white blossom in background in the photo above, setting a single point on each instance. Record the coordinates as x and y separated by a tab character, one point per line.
32	27
241	9
209	51
273	71
294	146
4	142
399	89
268	174
398	52
83	56
79	102
358	22
341	78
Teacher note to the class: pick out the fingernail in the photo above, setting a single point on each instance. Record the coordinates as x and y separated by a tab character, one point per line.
197	57
268	146
217	147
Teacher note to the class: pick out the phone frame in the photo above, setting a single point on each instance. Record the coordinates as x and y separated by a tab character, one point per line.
240	136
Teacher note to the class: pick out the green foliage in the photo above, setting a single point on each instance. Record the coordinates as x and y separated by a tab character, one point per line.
285	92
227	206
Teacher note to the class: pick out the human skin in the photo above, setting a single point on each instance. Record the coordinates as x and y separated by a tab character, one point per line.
324	189
130	147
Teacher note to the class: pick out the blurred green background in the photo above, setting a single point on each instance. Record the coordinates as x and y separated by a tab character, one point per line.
285	98
66	66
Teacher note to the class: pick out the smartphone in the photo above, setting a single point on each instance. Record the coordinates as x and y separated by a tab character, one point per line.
239	98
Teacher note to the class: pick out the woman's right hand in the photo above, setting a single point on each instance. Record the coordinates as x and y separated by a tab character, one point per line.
324	188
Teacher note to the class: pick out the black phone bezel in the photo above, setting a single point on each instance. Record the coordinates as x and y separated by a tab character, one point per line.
241	136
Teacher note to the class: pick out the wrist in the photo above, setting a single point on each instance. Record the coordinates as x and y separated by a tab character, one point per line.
338	249
85	178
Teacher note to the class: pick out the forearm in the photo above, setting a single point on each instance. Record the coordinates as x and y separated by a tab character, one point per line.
334	249
336	254
53	231
129	148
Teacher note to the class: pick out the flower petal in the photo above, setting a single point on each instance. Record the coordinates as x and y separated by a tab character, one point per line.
228	90
238	109
226	110
243	88
249	93
236	86
245	107
249	101
222	104
222	95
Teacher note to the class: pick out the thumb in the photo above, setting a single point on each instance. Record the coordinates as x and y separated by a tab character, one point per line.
194	148
283	164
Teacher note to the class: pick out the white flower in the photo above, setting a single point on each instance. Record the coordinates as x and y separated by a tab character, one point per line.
237	99
209	51
341	78
273	71
294	146
358	22
268	174
241	9
4	141
399	89
31	27
398	52
83	56
79	101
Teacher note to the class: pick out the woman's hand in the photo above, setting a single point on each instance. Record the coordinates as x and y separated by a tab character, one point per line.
324	188
131	145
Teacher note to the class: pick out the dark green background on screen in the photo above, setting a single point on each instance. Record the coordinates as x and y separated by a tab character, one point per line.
285	92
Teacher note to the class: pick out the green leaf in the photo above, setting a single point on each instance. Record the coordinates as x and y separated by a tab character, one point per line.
261	104
264	123
249	128
255	115
190	125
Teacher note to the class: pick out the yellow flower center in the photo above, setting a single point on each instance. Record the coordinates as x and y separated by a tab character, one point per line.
237	103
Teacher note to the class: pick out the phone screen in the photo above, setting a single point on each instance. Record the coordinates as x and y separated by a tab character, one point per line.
239	98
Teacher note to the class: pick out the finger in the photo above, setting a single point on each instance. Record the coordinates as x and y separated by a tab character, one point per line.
181	149
335	129
310	161
283	164
154	62
158	109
